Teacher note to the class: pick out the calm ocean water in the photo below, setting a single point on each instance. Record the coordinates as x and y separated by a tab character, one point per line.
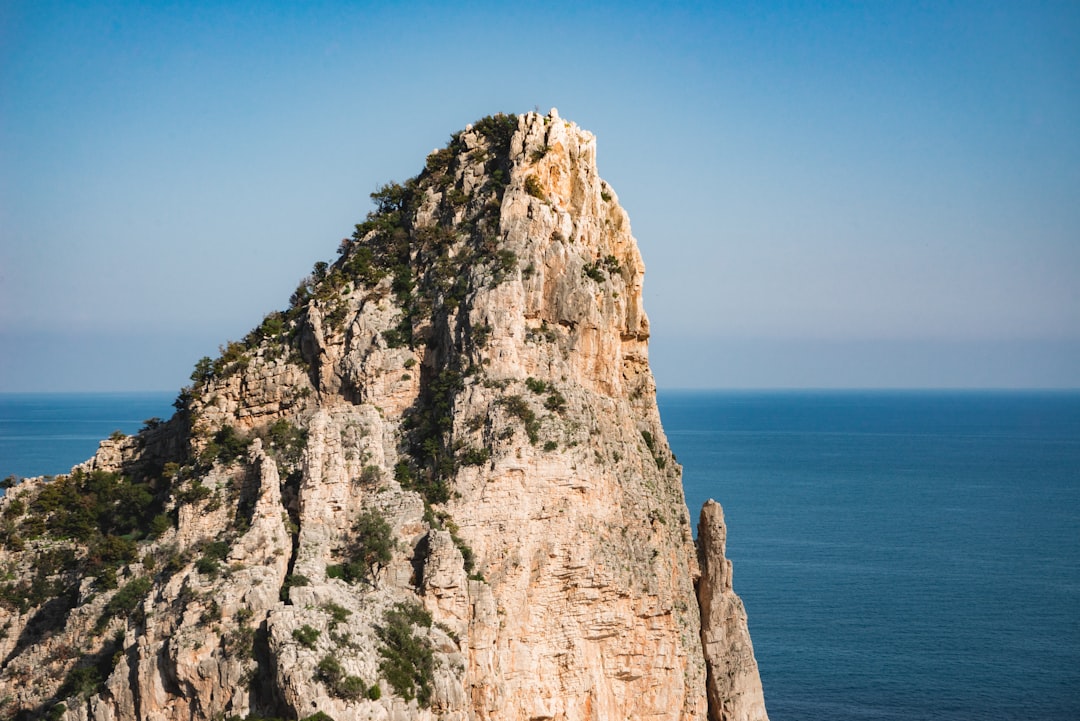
47	433
902	556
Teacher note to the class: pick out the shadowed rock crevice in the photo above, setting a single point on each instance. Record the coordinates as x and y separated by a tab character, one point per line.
265	697
49	618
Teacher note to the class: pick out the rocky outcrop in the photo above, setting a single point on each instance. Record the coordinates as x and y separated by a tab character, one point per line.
436	486
734	685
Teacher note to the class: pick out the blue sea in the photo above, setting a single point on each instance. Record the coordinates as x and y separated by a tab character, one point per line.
903	556
48	433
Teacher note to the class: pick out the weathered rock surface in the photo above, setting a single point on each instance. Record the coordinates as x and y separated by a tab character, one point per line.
734	685
436	486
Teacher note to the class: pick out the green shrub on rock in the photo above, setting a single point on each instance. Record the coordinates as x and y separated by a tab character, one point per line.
332	675
408	658
124	602
369	552
306	636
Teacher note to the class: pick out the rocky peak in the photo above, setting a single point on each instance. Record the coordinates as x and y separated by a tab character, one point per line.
435	486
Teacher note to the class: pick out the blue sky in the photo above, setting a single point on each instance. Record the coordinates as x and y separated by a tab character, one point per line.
849	194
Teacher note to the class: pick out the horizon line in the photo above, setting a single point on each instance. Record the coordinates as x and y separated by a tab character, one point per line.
659	389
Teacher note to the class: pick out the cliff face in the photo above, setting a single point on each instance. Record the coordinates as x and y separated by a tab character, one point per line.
435	487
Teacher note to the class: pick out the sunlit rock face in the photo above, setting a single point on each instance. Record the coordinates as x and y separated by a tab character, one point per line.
733	682
436	486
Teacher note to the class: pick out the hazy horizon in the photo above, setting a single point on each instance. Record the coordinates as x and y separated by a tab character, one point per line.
825	195
759	365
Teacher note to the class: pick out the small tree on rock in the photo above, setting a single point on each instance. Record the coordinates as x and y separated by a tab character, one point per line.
374	543
369	552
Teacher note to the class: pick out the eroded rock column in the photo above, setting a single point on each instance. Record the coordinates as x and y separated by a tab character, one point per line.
734	686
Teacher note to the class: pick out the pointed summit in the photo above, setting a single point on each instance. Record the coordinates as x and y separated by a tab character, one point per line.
435	486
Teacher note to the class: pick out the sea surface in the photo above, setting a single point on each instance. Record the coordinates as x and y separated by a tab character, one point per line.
48	433
903	556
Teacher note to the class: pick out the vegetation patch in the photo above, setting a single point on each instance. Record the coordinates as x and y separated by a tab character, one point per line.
306	636
338	614
226	446
518	407
429	427
505	263
93	521
408	657
214	553
498	129
293	580
480	334
87	677
534	188
472	456
555	402
369	552
240	642
286	441
192	491
125	602
593	272
650	443
85	506
601	270
535	385
345	686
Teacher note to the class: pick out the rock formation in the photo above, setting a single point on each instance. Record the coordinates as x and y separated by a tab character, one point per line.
436	486
734	685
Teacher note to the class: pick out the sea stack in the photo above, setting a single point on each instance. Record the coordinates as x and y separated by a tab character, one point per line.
435	487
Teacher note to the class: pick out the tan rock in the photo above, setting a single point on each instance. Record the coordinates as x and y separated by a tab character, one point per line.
493	405
734	685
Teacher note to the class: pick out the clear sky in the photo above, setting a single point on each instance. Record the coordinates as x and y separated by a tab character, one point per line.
826	194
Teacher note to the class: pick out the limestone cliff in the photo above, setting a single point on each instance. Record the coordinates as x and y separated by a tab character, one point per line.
436	486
